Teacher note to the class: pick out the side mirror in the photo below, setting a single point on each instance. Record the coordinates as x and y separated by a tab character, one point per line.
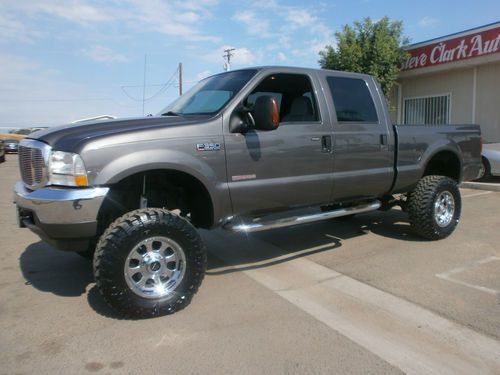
239	120
266	113
265	116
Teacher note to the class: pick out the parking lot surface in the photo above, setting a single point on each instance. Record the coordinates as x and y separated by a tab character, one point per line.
363	296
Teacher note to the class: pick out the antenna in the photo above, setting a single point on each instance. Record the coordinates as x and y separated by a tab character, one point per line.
144	83
227	58
180	79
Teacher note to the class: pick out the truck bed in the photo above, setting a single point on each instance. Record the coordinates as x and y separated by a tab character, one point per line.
416	144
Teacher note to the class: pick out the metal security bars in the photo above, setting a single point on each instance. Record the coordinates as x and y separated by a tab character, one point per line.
427	110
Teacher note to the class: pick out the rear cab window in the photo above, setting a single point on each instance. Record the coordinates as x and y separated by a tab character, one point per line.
352	100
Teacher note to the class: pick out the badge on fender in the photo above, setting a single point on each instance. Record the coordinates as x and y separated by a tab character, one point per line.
208	146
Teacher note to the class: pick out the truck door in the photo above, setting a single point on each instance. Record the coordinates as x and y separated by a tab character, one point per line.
363	160
288	167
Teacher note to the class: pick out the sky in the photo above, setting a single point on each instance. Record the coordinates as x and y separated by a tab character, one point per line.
64	60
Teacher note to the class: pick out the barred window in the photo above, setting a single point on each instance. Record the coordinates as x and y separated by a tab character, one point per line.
427	110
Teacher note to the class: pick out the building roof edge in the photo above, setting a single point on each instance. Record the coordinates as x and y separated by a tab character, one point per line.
450	36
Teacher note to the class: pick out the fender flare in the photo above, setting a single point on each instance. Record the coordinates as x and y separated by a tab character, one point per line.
158	159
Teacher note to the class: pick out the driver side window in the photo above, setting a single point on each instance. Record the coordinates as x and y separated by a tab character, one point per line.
294	95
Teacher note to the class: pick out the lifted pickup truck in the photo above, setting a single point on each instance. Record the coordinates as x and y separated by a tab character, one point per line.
244	150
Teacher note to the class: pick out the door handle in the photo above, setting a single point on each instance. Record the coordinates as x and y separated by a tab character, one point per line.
326	143
383	139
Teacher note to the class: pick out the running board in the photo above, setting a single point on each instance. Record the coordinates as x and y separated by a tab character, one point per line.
261	224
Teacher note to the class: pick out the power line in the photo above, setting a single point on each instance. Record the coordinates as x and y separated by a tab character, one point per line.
150	85
163	88
56	100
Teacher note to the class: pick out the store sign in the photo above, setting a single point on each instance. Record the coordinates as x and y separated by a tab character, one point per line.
465	47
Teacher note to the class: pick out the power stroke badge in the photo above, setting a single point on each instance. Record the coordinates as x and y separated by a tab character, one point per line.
208	146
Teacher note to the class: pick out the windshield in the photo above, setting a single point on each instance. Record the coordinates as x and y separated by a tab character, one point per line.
210	95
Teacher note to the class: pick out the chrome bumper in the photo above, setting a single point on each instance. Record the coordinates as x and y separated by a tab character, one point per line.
61	206
64	217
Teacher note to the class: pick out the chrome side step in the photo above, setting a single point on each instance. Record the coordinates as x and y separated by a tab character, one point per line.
261	224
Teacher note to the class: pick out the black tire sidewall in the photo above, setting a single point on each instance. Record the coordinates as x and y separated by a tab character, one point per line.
117	250
421	207
487	170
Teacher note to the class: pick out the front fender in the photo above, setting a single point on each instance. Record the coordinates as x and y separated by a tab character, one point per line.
207	167
144	160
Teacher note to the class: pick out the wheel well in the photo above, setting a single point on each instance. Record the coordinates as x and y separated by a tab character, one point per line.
444	163
170	189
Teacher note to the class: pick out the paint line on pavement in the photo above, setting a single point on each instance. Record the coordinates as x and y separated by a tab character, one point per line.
405	335
476	194
448	275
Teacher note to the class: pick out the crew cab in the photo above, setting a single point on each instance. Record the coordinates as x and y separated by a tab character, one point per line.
246	150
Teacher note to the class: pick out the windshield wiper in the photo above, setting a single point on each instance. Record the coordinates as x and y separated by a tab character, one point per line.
171	113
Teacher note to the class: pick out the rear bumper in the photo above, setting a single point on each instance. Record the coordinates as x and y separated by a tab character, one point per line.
64	217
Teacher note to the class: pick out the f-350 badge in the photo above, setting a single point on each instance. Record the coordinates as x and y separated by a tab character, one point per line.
208	146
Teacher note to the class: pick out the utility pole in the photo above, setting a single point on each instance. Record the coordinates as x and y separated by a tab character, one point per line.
227	58
180	79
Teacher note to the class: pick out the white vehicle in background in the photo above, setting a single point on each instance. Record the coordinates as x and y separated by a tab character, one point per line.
491	161
96	118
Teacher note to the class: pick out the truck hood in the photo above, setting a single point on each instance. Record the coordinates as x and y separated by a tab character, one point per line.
73	136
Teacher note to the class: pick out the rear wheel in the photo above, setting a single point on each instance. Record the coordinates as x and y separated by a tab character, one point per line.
434	207
148	263
485	170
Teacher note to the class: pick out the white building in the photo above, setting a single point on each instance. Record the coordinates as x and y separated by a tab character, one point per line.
454	79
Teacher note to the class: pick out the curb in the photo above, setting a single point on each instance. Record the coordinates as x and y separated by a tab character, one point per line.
480	186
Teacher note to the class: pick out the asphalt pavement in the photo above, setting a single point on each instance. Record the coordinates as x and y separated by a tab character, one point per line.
363	296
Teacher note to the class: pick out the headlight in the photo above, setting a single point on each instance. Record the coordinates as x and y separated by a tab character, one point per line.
66	168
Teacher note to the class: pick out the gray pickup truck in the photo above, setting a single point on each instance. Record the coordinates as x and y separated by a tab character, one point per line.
246	150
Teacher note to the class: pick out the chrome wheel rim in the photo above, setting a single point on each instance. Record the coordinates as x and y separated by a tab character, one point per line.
155	267
482	171
444	209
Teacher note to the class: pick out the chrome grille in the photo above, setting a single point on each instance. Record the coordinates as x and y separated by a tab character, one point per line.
32	163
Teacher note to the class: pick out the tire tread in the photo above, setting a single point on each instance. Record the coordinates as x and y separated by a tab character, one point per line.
110	245
420	207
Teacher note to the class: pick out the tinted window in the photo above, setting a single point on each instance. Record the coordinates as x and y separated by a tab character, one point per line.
294	95
253	97
207	101
211	94
352	100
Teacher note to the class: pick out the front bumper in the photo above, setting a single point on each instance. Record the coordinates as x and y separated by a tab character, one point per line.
64	217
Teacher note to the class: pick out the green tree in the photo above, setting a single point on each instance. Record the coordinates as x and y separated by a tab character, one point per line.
368	47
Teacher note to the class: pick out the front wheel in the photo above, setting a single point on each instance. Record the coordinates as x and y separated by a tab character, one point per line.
148	263
434	207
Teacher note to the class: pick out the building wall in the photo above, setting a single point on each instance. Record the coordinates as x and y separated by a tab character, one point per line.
488	101
393	104
460	83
